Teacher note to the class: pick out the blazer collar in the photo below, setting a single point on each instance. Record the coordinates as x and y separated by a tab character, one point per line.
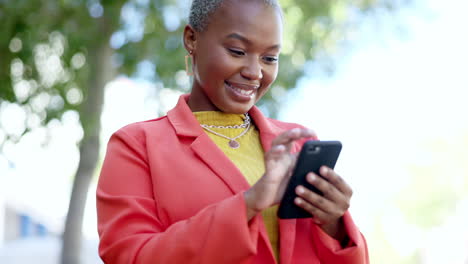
268	130
183	120
185	123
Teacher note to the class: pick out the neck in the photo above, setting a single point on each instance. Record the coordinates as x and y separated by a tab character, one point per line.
198	101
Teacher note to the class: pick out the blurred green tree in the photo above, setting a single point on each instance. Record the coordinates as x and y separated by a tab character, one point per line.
57	56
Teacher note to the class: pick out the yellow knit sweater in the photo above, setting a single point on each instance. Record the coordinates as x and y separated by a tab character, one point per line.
248	158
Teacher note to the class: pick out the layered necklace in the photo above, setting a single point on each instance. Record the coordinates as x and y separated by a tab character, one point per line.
233	143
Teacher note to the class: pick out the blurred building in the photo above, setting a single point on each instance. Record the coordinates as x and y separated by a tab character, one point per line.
23	211
32	212
17	224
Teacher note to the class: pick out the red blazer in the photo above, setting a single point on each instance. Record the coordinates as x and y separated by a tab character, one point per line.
168	194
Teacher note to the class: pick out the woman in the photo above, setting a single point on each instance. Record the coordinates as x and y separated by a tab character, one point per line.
202	184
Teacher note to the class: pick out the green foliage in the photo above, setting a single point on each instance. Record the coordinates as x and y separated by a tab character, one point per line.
51	57
45	46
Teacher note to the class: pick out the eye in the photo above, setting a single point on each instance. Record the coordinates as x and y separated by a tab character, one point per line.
236	52
270	59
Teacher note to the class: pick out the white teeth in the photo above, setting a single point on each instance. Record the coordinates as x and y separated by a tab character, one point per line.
244	92
241	91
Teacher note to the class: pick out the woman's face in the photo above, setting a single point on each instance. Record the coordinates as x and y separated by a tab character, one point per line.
235	58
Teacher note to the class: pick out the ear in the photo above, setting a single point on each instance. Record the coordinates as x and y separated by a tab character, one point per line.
190	38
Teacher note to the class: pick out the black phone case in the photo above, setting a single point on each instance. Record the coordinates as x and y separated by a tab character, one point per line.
313	155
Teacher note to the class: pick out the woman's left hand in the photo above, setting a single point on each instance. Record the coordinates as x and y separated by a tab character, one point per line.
328	208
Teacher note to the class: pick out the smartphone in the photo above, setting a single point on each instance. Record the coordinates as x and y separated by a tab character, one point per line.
314	154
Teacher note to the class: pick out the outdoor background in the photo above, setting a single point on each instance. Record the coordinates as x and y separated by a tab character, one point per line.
387	78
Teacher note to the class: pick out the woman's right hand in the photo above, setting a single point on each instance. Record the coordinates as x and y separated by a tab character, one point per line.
279	163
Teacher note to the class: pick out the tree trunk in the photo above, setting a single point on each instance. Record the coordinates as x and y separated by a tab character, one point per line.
99	59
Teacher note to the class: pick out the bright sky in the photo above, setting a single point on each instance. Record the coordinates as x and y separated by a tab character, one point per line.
392	92
389	94
388	97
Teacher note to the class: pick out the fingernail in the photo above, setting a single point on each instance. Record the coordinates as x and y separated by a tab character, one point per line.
311	177
300	190
298	201
324	170
295	130
279	147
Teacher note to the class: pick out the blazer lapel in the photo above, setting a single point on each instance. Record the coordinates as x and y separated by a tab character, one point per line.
186	125
287	227
214	157
267	130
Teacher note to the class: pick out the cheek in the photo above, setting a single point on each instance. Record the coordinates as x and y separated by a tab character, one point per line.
268	78
216	66
270	74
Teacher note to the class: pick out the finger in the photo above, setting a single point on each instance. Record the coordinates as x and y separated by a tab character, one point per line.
276	153
293	157
278	149
320	216
291	135
329	190
286	138
279	156
316	200
337	181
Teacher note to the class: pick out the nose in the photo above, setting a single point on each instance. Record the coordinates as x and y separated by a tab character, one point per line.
252	70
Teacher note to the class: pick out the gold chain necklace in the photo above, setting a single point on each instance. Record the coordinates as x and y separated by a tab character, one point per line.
233	143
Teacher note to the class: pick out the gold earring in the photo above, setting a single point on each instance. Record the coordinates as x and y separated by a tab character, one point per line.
187	70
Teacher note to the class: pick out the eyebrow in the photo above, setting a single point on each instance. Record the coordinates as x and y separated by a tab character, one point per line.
247	41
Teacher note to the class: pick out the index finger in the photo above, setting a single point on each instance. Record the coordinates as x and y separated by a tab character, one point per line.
336	180
291	135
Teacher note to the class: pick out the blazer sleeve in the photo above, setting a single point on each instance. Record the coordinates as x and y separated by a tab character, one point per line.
329	249
131	232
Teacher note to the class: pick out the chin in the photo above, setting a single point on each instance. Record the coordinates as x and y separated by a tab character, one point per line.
237	109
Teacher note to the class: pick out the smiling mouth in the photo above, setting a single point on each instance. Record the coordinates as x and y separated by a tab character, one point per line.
243	89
